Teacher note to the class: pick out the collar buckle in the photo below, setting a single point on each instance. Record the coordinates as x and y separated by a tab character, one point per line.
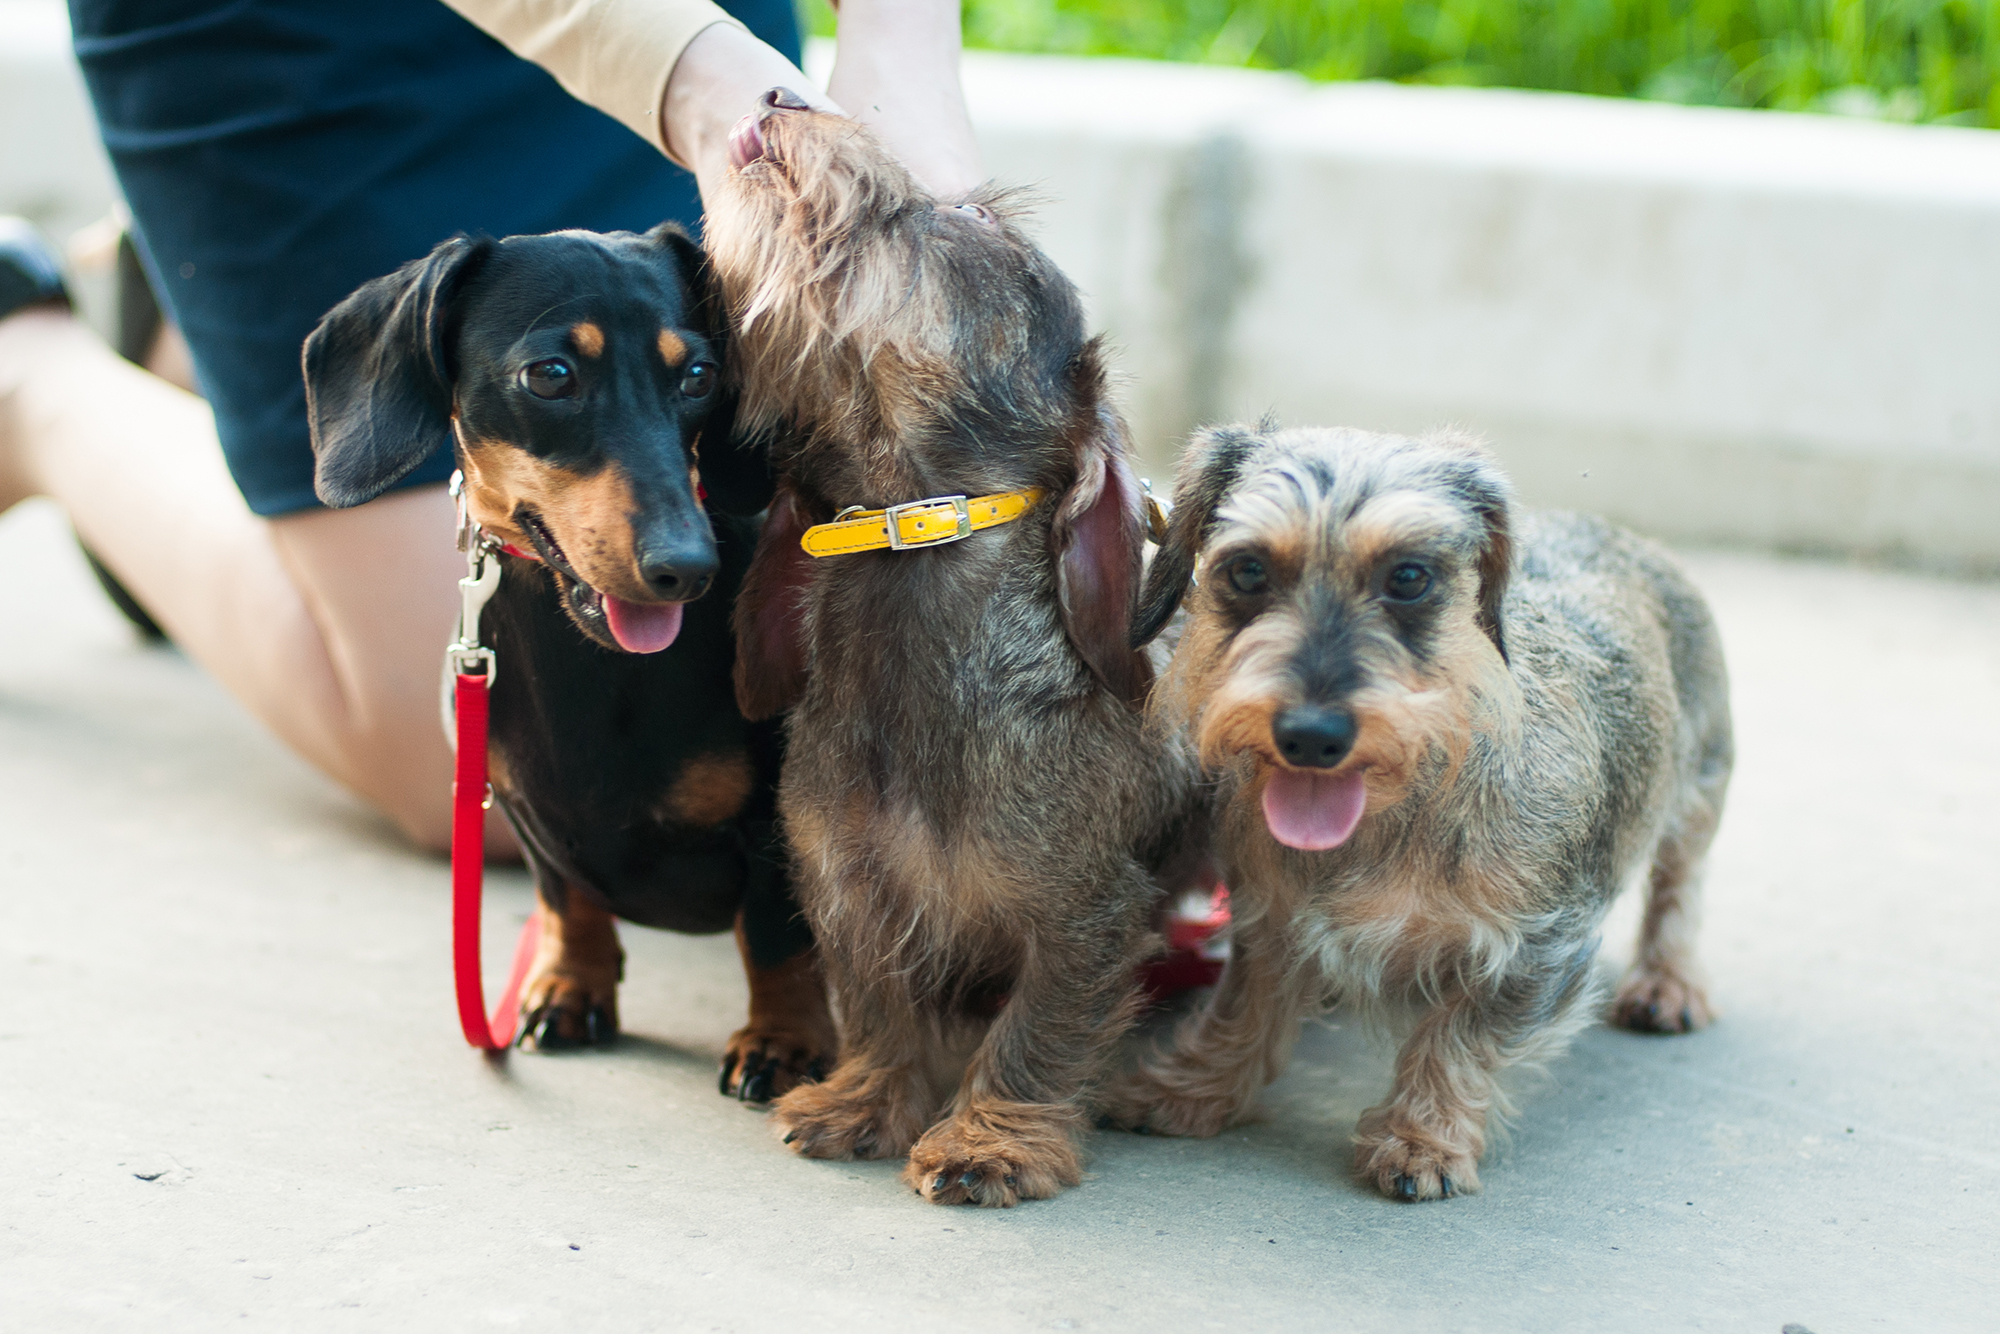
961	508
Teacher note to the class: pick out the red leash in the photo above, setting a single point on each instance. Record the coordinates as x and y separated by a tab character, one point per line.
472	667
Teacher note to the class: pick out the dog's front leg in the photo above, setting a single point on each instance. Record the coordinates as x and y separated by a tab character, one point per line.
570	996
1016	1125
1426	1141
880	1095
1222	1055
789	1039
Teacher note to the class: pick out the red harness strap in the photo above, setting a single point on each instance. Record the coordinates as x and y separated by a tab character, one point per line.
469	799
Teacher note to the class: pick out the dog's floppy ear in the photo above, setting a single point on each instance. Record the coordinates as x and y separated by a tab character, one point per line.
378	376
1208	470
1099	539
1479	484
770	612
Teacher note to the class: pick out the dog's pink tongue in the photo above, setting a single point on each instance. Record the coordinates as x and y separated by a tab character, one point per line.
1313	811
642	627
746	142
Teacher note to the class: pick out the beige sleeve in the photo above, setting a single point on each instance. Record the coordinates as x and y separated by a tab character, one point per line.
614	55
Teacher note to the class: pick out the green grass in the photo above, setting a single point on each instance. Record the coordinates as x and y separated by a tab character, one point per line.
1916	60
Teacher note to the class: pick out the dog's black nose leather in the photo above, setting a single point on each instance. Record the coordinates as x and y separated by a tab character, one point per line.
678	578
1312	736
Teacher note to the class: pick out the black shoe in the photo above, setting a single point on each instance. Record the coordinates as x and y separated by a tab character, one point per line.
30	269
139	315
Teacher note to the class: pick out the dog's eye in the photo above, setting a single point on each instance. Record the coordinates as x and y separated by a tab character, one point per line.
550	378
1248	575
698	381
1407	583
979	211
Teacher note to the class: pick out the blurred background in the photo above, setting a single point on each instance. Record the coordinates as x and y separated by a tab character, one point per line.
1725	270
1906	60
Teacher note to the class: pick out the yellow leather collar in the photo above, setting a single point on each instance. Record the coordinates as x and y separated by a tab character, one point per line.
917	523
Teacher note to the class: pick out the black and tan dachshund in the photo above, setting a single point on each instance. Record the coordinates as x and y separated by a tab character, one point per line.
579	377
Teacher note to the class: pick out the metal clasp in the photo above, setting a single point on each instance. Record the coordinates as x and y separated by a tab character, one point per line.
465	655
895	513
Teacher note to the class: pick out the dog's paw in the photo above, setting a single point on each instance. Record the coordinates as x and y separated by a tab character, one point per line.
567	1008
1410	1165
759	1065
997	1154
848	1117
1154	1101
1660	1000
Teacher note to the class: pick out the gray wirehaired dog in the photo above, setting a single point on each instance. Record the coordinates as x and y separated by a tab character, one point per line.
1448	734
971	792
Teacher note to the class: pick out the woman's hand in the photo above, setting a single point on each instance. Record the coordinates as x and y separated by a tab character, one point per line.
717	82
897	69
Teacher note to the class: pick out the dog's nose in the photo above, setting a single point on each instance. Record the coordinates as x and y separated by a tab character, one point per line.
679	577
784	99
1313	737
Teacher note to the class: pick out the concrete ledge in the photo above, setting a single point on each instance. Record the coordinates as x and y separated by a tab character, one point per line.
52	169
1745	327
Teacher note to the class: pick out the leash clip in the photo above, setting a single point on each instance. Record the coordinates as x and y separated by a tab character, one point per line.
961	507
466	656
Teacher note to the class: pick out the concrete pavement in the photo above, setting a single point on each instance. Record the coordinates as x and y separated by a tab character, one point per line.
231	1089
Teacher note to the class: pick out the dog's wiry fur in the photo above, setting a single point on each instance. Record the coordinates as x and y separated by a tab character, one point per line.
1548	721
971	793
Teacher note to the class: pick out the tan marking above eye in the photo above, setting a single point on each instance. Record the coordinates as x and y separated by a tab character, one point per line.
1398	519
673	347
589	339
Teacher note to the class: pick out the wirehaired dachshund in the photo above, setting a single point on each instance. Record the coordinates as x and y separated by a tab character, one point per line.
579	375
975	803
1448	732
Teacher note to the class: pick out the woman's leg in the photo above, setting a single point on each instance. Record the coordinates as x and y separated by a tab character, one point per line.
327	625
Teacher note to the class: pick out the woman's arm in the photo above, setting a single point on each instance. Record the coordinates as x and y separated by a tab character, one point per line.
620	56
897	72
681	73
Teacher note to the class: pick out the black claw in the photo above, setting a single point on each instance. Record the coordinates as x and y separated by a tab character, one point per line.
1009	1180
1687	1020
549	1035
864	1145
722	1083
528	1022
757	1084
816	1070
1142	1129
599	1029
943	1179
968	1180
1406	1187
1444	1184
1106	1123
